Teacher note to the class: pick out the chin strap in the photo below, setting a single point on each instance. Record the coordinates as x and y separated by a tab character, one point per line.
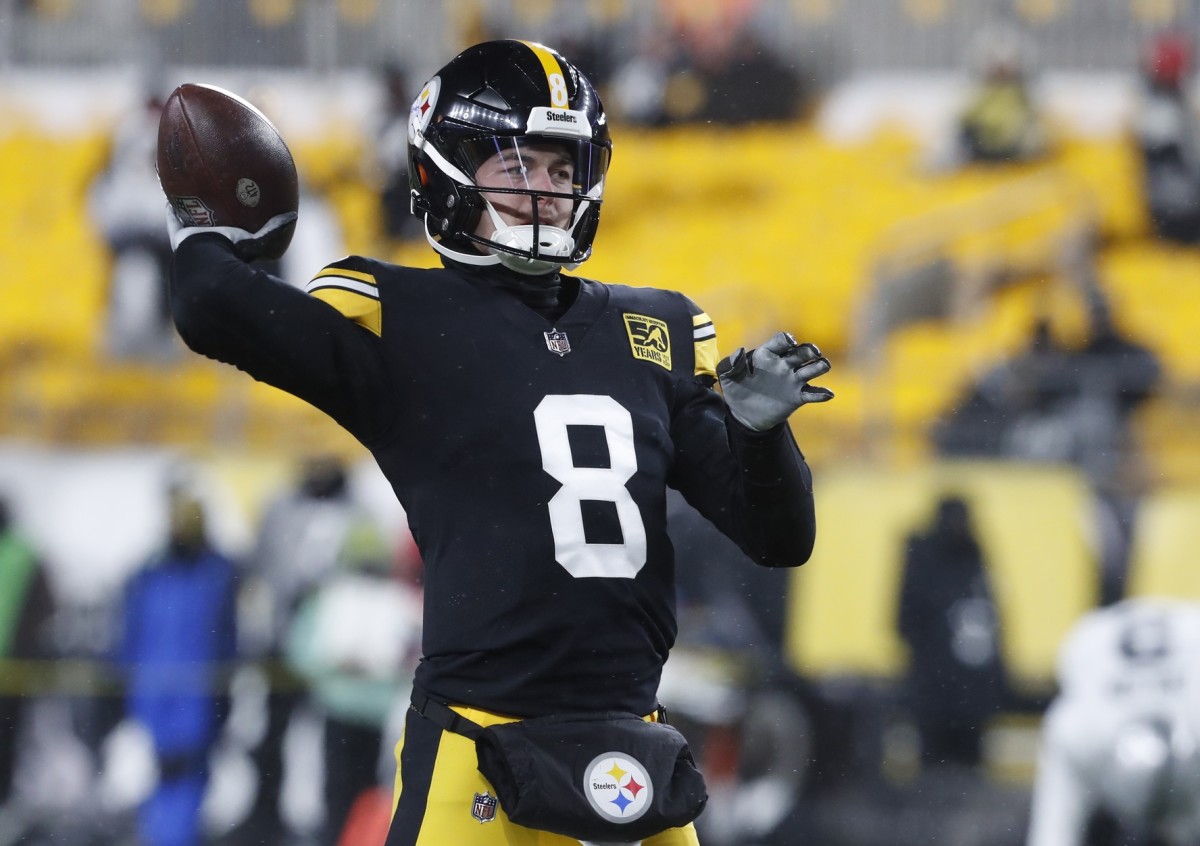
552	241
515	237
522	264
475	259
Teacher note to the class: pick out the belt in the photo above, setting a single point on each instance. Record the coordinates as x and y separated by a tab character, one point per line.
444	716
452	721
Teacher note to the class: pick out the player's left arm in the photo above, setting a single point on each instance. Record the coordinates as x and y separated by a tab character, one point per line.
754	485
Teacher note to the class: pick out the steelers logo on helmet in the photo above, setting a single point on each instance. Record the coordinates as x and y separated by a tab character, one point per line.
422	109
508	151
618	787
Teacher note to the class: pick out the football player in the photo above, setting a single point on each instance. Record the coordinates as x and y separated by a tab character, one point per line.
530	421
1120	743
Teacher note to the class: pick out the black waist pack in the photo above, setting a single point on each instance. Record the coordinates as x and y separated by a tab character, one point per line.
610	777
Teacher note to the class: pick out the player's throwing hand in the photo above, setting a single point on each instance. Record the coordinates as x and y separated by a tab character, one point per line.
249	245
763	386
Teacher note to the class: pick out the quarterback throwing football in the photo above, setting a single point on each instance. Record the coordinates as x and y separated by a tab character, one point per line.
530	422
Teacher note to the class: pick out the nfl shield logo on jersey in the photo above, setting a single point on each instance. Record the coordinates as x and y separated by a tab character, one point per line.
557	342
484	807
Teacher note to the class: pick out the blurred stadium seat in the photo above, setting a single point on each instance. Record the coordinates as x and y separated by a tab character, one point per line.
810	245
52	264
1034	525
1163	560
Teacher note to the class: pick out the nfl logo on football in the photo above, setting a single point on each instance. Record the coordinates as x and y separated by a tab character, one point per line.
484	807
195	211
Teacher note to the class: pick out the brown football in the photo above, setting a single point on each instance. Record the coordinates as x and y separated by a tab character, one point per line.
221	162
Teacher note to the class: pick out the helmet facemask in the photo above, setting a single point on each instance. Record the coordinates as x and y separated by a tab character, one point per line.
529	202
549	192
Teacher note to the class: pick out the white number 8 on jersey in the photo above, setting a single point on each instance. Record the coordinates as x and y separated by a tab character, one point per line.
607	484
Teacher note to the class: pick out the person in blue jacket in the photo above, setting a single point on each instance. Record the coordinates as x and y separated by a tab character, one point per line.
178	639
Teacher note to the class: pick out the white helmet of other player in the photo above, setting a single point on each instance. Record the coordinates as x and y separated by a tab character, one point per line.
1152	773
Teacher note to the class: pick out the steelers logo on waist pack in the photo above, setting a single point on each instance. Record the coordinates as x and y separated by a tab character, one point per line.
618	787
649	339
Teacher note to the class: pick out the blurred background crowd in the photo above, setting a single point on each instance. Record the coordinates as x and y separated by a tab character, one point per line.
986	212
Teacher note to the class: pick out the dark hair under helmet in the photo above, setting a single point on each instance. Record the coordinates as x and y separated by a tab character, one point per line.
501	97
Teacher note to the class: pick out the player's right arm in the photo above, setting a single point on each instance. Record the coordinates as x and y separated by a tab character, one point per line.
230	311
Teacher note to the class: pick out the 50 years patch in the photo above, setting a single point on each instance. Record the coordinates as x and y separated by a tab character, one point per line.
649	339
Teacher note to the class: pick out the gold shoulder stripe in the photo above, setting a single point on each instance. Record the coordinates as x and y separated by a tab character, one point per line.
704	333
364	310
348	273
354	280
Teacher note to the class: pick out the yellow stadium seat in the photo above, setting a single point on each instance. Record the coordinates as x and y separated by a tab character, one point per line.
1153	289
765	227
1034	526
1165	435
1167	535
52	265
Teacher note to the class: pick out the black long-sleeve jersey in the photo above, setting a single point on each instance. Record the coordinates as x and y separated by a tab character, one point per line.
531	457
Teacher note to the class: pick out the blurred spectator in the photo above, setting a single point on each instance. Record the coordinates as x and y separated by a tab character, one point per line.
1167	135
355	639
1001	122
637	90
1051	402
126	206
177	642
1071	405
743	82
1120	750
1004	413
727	77
299	539
949	620
1115	377
26	608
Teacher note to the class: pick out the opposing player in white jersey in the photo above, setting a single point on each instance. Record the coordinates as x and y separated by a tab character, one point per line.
1122	739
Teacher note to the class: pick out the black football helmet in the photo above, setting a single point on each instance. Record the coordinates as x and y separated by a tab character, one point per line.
504	98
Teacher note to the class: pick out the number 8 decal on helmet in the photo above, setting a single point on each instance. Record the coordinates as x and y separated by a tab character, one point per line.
558	90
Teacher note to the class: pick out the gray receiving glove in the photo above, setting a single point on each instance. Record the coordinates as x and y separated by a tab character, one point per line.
763	386
266	242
